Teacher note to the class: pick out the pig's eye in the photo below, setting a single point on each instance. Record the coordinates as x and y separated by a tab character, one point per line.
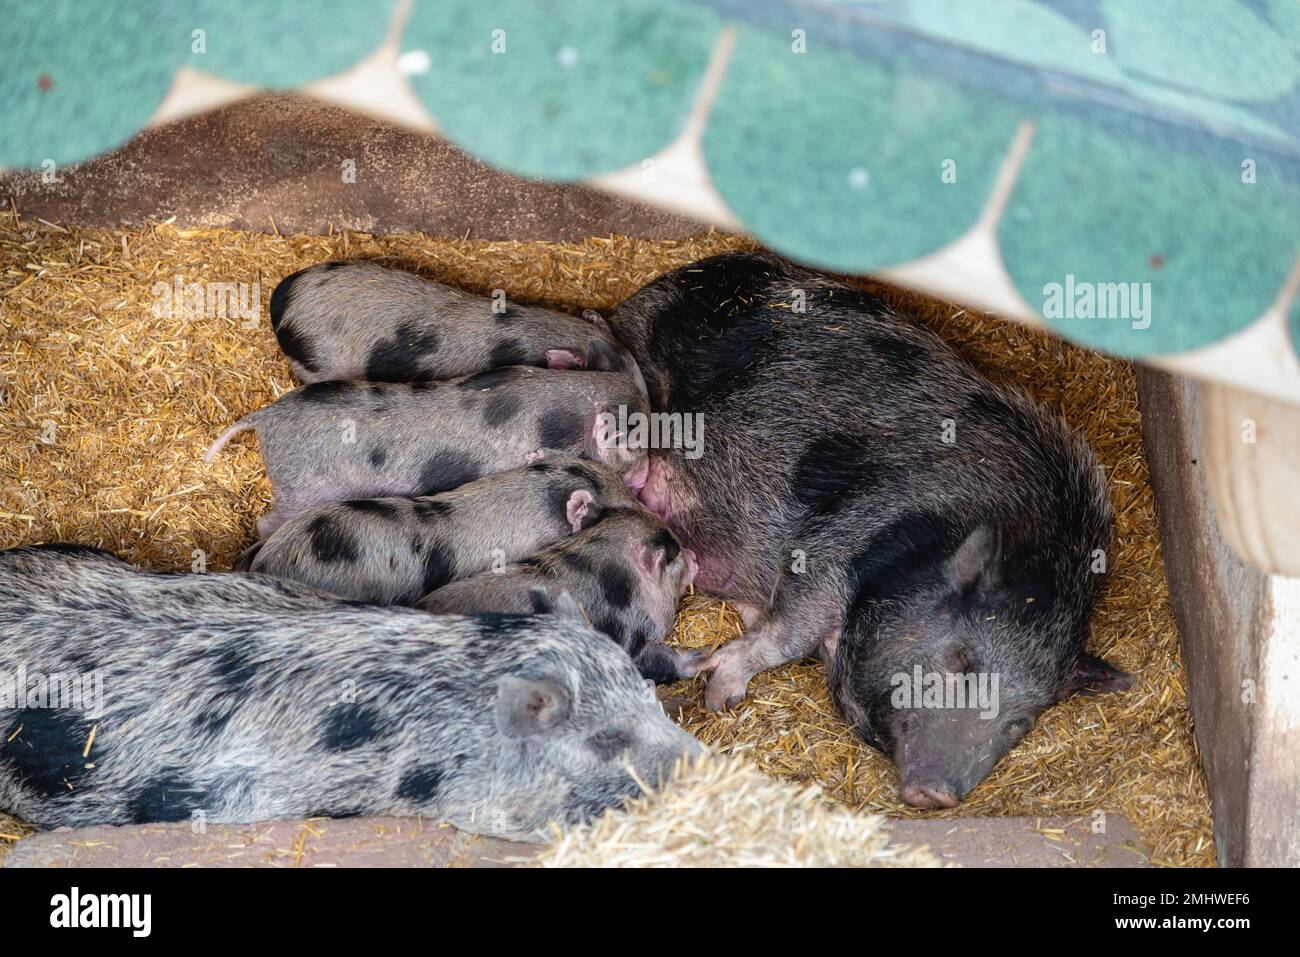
609	745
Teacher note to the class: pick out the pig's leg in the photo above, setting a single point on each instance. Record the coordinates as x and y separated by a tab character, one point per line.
750	612
664	665
806	615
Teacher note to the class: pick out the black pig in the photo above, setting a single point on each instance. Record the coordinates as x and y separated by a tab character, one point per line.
865	495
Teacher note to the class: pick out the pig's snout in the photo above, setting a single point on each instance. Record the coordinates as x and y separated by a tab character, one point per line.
692	565
930	794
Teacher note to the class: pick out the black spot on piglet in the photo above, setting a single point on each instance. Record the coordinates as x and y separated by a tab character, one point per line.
617	584
373	506
171	797
280	299
330	542
42	749
562	428
446	473
500	409
481	381
396	358
324	391
420	783
349	726
508	353
294	345
439	566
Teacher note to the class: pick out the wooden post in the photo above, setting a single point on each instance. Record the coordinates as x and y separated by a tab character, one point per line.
1228	512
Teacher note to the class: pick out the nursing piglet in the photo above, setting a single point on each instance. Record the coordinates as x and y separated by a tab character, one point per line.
395	550
359	320
336	441
627	572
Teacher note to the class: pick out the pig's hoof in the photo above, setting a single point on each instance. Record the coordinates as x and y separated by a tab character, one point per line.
690	662
724	692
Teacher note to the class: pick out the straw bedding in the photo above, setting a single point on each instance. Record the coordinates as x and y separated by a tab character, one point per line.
108	408
720	811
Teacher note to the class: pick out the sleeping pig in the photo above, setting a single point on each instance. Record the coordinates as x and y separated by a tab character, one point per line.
867	496
335	441
626	572
230	698
395	550
360	320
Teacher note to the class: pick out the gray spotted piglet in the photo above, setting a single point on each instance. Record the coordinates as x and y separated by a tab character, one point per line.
359	320
396	550
231	698
336	441
627	572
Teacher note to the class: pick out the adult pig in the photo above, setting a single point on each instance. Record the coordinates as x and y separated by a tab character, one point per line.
396	550
335	441
359	320
236	698
626	572
867	496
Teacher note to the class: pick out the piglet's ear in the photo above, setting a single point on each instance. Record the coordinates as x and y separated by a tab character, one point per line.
976	566
596	319
1094	675
649	558
564	359
529	706
562	605
601	357
581	509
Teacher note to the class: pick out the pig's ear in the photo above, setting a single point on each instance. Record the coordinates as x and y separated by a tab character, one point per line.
581	509
564	359
528	706
649	558
596	319
562	605
1094	675
975	568
601	357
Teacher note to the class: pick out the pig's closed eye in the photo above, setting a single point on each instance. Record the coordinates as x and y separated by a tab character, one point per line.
609	745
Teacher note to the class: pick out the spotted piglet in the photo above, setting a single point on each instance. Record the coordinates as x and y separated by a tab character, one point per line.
395	550
359	320
627	572
337	441
239	698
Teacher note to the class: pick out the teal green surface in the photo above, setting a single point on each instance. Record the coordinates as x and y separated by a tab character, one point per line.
283	43
78	79
1111	209
582	88
838	161
1021	31
1218	47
